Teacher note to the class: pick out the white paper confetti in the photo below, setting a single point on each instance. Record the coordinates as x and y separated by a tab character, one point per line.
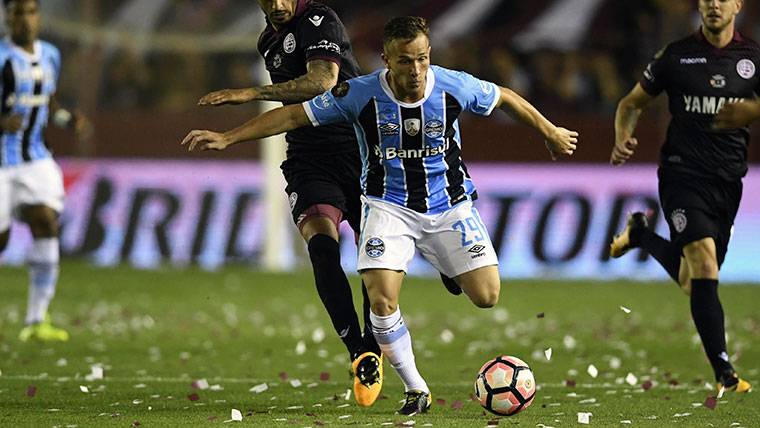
592	371
96	373
84	389
295	383
347	395
588	401
201	384
300	347
344	416
681	415
61	362
139	386
341	406
626	422
236	415
258	389
318	335
624	309
630	379
548	354
569	342
216	387
615	363
447	336
584	417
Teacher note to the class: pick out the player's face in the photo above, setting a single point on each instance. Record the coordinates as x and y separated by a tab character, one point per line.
718	14
408	62
22	18
279	12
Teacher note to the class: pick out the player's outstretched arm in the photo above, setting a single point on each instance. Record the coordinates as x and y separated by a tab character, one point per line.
320	76
558	140
626	117
273	122
737	115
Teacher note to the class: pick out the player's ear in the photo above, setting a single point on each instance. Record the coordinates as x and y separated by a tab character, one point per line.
385	59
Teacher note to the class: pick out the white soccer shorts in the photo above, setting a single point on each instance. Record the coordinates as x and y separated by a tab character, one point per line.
38	182
454	242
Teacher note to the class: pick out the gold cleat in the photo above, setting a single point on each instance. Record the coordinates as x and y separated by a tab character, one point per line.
622	242
368	378
740	386
43	331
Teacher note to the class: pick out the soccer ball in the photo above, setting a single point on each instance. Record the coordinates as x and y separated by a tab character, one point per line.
505	386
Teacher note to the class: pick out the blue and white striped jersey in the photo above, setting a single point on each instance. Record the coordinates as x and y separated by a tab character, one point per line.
411	153
28	81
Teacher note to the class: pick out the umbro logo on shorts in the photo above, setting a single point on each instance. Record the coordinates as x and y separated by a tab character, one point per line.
477	251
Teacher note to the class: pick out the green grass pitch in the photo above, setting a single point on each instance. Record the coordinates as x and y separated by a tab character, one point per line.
157	332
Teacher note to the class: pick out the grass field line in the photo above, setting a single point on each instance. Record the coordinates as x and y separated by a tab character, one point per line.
252	381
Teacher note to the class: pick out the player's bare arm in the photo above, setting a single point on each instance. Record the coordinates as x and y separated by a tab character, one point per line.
75	120
273	122
558	140
320	76
626	117
737	115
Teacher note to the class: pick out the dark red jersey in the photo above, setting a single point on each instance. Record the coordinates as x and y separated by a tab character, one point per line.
700	79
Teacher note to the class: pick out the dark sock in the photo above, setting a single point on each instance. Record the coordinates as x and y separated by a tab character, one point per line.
335	291
708	317
369	338
665	252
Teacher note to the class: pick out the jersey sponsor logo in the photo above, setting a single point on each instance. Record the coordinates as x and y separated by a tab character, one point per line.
718	81
374	248
277	61
679	220
393	152
707	105
690	61
340	90
389	129
316	20
412	127
323	101
28	100
289	44
325	45
433	128
745	68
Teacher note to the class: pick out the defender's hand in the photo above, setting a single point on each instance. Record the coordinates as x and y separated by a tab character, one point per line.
205	140
227	96
623	150
736	115
561	142
82	126
11	123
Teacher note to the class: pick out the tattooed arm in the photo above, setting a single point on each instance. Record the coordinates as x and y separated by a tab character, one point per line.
320	76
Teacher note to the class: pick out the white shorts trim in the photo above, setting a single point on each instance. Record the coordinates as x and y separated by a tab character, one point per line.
38	182
454	242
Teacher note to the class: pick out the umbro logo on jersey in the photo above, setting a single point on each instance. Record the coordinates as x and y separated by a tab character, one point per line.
316	20
389	129
689	61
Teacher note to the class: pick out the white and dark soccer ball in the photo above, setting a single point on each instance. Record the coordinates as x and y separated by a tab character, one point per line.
505	386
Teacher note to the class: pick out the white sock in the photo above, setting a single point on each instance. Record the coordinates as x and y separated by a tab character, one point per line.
43	276
396	343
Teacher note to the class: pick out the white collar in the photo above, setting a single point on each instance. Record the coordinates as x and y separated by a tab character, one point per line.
30	56
429	84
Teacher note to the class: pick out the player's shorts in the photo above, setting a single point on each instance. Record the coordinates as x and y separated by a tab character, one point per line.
454	242
324	180
698	208
38	182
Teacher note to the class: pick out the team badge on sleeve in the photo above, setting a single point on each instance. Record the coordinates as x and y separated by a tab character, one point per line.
375	247
340	90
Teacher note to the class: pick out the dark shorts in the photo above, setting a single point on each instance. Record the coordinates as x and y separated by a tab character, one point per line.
324	180
698	208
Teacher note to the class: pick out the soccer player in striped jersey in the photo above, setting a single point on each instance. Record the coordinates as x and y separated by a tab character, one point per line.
416	189
31	183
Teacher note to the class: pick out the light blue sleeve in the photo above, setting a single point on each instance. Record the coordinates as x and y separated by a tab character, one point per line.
340	104
478	96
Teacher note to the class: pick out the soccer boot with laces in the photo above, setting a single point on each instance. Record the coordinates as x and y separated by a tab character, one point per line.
44	331
733	383
629	237
368	378
451	285
415	402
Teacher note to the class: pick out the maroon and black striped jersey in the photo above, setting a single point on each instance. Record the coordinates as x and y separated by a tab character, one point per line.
700	79
314	33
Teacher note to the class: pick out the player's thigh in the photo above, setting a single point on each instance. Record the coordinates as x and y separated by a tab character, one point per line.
311	191
387	237
690	208
701	256
383	289
481	285
458	242
320	219
38	196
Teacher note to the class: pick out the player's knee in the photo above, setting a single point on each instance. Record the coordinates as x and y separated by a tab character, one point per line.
43	224
487	296
383	307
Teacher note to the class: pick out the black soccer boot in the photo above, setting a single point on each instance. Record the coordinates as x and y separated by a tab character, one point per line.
630	236
415	402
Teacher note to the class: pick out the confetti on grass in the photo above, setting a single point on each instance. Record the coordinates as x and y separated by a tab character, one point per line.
235	415
630	379
548	354
324	376
647	385
200	384
193	397
584	417
624	309
258	389
592	371
84	389
540	315
711	402
31	391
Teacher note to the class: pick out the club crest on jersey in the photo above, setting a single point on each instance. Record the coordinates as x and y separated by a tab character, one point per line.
718	81
433	128
678	218
289	44
389	129
412	127
375	247
745	68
